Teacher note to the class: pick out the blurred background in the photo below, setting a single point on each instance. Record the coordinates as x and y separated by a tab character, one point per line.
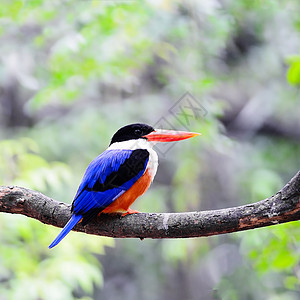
73	72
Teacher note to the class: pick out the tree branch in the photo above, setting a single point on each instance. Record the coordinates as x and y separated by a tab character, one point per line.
282	207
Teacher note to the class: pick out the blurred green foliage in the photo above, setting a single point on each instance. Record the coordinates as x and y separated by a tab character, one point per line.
72	72
293	75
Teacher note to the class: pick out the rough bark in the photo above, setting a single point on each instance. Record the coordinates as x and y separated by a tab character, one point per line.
282	207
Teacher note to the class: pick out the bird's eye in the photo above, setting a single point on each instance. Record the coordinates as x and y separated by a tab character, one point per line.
138	132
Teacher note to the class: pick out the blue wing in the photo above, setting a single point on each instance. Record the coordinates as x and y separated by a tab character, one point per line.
107	177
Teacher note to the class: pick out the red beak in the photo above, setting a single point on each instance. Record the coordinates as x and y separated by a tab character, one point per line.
162	135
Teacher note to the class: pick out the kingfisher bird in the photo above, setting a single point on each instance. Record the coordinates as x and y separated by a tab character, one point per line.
118	176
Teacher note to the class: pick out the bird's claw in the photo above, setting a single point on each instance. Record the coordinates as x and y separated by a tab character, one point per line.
130	211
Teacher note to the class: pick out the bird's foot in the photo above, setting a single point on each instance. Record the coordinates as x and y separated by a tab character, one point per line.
130	211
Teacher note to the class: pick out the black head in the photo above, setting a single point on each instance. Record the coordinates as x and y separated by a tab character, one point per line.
131	132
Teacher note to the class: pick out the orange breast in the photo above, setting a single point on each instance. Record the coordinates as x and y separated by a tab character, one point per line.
121	204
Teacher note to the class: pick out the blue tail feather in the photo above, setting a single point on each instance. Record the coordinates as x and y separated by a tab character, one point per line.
68	227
